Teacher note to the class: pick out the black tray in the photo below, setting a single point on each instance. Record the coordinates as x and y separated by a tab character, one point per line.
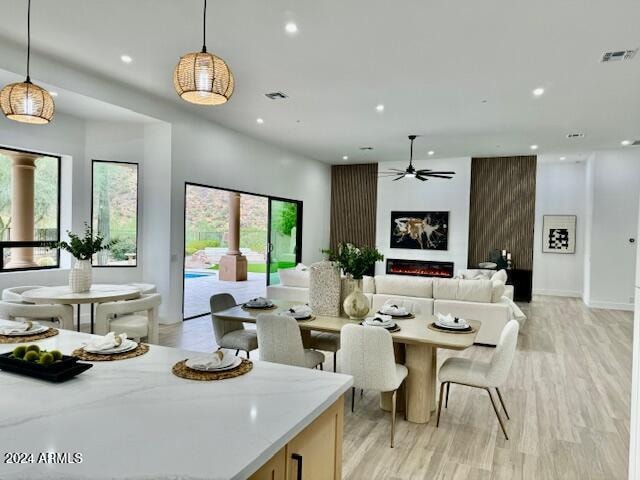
67	368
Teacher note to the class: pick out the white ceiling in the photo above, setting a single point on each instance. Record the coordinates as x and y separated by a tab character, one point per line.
430	63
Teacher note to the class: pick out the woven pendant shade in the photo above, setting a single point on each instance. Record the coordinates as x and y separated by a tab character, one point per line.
203	79
27	103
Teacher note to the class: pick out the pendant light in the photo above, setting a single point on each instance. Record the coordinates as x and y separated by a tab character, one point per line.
26	102
201	77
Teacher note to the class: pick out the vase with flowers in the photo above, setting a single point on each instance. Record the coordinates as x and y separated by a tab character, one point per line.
355	262
82	249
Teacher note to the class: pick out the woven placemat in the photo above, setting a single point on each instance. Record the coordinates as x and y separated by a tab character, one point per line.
52	332
244	307
432	326
141	349
182	371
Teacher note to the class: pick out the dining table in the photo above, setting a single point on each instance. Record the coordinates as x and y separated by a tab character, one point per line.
98	293
415	346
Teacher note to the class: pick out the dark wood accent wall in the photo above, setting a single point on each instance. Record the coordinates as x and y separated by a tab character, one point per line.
502	210
354	193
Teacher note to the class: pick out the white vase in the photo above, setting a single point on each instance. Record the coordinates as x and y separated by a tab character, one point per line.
80	276
356	305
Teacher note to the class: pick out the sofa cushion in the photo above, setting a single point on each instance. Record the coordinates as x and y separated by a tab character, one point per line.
404	285
368	284
500	275
446	288
475	274
497	290
294	277
475	291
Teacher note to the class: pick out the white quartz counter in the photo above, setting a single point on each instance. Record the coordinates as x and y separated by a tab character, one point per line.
134	419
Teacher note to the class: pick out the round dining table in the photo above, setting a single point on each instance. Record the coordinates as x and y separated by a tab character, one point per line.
99	293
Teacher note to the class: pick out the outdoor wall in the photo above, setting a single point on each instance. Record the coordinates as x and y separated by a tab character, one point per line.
560	190
436	195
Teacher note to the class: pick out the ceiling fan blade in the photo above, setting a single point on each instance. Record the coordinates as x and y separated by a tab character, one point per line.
396	170
399	177
421	178
435	175
439	173
424	170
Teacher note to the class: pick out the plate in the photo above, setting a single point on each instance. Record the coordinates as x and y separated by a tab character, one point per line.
259	307
34	331
448	326
306	317
440	327
236	362
126	346
391	329
406	315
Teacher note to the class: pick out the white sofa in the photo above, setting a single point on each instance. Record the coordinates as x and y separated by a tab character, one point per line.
479	299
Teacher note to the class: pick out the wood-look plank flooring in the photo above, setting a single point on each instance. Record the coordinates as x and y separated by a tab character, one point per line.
568	395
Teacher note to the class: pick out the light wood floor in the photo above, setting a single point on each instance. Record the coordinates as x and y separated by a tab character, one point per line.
568	395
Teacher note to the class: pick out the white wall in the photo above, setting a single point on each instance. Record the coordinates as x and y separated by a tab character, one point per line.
436	195
612	257
560	190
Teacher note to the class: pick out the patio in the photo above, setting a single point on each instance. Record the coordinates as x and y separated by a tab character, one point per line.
200	285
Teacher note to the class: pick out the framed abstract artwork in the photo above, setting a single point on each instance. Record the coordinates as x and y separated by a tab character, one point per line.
420	230
559	233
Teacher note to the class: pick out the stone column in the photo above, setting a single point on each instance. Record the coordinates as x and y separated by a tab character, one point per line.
233	265
22	208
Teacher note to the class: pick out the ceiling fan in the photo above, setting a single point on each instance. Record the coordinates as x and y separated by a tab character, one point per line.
411	172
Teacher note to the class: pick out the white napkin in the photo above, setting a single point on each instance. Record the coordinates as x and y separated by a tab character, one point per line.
259	302
391	308
299	311
107	342
449	321
11	328
208	362
379	321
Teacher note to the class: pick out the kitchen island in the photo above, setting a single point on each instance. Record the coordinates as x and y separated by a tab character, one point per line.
134	419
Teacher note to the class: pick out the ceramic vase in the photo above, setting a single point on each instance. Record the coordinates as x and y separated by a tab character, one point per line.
356	304
80	276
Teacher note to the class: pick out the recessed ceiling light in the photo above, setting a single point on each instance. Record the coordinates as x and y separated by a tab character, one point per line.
53	94
533	147
291	27
345	157
260	121
563	158
538	91
380	108
126	58
430	152
626	142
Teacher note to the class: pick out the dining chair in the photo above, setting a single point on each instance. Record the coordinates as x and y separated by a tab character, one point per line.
230	334
367	355
63	314
327	342
485	375
280	341
14	294
137	318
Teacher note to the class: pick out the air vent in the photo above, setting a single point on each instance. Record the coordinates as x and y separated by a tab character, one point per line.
618	56
276	95
575	135
366	148
636	143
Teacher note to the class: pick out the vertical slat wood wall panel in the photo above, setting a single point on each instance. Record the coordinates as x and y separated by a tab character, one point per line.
502	210
354	192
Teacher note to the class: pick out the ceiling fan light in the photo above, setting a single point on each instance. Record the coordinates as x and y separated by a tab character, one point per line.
203	78
26	102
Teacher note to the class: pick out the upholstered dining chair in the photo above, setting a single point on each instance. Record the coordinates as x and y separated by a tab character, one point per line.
230	334
367	354
12	310
137	318
327	342
14	294
280	341
485	375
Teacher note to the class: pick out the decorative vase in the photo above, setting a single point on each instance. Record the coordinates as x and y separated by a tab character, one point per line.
356	305
80	276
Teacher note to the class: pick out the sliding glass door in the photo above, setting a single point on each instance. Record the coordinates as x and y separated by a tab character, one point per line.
285	237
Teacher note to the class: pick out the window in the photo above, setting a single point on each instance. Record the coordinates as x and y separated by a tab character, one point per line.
114	211
29	210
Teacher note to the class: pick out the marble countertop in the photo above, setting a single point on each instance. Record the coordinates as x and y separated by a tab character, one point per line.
134	419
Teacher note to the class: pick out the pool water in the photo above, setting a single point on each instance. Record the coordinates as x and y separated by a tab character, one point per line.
194	275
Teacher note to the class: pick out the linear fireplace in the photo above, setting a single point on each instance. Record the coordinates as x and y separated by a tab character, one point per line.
421	268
